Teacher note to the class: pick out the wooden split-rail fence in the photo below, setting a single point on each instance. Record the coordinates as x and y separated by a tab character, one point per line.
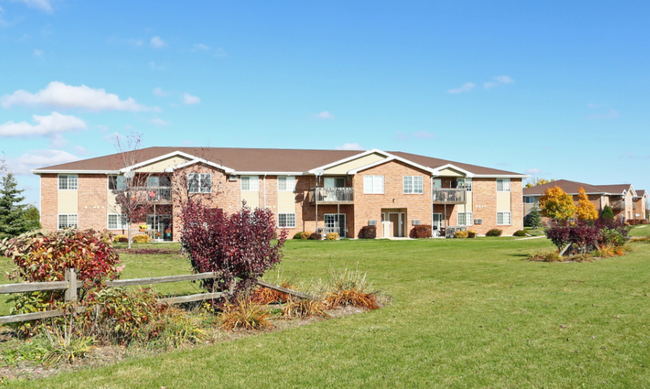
70	286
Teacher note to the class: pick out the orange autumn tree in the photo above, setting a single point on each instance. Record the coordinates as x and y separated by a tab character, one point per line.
586	209
556	204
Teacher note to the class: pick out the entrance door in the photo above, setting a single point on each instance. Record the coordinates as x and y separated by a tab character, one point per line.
397	218
160	227
335	222
437	220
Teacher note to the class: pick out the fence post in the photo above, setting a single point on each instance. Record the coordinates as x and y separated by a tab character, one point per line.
71	292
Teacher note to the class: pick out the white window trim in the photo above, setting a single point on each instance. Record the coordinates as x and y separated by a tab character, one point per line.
66	214
509	217
241	180
293	190
287	213
200	186
373	185
471	219
465	181
504	180
58	181
120	216
412	185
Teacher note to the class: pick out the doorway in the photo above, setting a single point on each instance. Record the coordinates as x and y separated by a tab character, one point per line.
397	219
160	227
335	222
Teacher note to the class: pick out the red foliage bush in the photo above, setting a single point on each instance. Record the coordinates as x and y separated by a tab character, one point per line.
368	232
421	231
236	246
45	256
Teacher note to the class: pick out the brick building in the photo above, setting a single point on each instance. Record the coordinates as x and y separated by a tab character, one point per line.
626	202
308	190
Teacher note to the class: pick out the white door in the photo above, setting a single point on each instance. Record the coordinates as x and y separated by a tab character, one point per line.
334	221
437	220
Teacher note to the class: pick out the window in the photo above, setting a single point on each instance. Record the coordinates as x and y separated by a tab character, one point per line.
373	184
503	185
465	219
437	183
286	184
334	182
117	222
68	182
465	183
530	200
67	221
116	183
287	220
413	185
503	218
250	183
199	182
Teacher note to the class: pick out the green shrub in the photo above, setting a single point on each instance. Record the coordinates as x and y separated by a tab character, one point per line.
533	219
494	232
332	236
421	231
611	237
368	232
298	235
520	233
607	213
461	234
141	238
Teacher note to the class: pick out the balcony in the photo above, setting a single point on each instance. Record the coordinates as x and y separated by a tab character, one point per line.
448	196
617	204
331	196
157	195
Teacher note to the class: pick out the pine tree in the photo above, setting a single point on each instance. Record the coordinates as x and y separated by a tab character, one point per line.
607	213
12	220
533	219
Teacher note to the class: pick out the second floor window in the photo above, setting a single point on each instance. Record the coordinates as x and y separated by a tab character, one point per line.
286	184
373	184
503	185
413	184
250	183
530	200
199	182
68	182
116	183
465	183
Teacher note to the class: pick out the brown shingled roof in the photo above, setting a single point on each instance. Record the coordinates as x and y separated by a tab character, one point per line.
614	189
570	187
259	160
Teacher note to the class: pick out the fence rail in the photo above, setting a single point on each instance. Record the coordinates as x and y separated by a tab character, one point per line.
70	287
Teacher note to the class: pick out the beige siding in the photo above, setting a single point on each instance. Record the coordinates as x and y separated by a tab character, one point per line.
112	203
68	202
468	206
503	201
451	173
286	202
160	166
252	197
354	164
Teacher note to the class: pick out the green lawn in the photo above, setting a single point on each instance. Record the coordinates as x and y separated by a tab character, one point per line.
465	313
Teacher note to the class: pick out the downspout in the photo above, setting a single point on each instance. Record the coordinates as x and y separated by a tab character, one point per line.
264	182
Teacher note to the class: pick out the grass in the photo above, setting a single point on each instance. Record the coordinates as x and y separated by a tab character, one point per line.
465	313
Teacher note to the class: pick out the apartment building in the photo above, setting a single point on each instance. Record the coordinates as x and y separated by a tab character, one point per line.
308	190
626	202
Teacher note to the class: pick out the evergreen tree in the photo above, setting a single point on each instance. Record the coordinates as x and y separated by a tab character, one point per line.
607	213
533	219
12	220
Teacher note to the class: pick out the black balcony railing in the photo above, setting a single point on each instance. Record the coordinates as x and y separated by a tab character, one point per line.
331	195
449	196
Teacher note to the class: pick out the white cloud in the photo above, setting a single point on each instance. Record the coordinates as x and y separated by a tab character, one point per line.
43	5
423	135
499	80
159	122
188	99
465	88
60	95
45	126
160	92
34	159
349	146
158	43
201	46
324	115
38	53
533	171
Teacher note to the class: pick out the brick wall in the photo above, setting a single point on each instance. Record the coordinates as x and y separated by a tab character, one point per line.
93	201
49	201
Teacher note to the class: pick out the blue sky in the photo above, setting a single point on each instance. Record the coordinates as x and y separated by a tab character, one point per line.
553	89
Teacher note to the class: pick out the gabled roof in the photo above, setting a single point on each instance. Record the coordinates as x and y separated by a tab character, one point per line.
641	193
616	188
260	161
570	187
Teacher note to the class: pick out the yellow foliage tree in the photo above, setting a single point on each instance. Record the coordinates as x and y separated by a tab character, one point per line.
556	204
586	209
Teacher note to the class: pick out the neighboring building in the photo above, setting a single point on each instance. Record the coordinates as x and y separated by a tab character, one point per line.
626	202
346	189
